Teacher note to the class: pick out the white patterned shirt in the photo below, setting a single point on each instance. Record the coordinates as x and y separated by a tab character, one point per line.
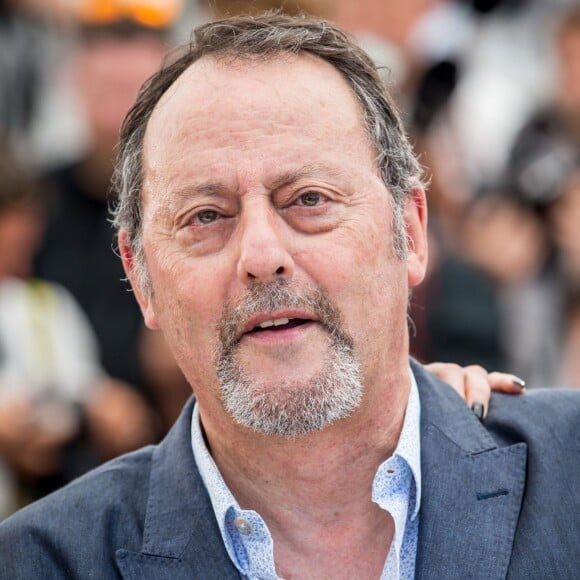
396	489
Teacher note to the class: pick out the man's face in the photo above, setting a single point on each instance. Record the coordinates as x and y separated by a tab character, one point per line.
21	232
109	72
267	234
569	64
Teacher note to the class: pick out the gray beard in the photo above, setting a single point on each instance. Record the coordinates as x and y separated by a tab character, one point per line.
281	407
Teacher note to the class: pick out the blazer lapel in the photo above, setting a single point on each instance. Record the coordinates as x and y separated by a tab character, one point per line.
181	539
471	490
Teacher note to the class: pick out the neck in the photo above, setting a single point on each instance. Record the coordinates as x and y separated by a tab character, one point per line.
320	480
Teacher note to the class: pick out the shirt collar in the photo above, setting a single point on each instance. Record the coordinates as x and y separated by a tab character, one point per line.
409	444
220	495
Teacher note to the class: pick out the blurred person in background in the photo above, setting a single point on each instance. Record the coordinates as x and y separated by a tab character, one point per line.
564	221
31	443
59	412
506	240
559	119
27	53
119	45
494	292
525	237
568	49
529	242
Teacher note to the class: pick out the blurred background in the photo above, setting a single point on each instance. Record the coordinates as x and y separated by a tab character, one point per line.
490	93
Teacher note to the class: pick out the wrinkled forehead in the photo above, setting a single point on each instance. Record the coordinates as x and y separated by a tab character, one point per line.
247	86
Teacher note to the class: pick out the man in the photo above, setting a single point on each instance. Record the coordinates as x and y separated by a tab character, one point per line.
272	220
113	56
109	64
58	408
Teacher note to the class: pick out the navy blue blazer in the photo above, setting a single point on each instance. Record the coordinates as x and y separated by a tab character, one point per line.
499	500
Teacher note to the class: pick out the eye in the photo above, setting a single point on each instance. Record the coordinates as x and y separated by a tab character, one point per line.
310	199
207	216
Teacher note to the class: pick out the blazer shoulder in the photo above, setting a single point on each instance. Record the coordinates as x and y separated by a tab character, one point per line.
546	541
547	422
75	526
551	415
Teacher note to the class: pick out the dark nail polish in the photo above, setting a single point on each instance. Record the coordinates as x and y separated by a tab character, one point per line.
477	409
519	382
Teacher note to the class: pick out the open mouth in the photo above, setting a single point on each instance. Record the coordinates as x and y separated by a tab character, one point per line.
278	324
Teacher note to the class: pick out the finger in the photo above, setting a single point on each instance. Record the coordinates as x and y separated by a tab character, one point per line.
479	410
477	390
506	383
451	374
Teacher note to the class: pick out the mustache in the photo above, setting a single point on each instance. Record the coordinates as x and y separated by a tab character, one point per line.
271	297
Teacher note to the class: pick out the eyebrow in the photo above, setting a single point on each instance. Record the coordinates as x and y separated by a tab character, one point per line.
181	195
311	170
209	188
206	188
216	189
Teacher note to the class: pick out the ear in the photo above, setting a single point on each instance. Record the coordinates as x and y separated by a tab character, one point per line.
416	229
144	298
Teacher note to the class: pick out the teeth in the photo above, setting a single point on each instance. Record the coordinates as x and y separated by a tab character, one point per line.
276	322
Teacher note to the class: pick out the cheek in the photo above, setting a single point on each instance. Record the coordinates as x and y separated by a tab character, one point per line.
362	275
187	305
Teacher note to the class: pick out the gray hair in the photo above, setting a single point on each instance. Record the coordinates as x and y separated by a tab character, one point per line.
264	37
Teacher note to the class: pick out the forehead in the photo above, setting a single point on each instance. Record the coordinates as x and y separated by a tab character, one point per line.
230	81
283	105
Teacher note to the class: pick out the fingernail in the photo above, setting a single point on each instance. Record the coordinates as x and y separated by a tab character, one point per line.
477	409
518	382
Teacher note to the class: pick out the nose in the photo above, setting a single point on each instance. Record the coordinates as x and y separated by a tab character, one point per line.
263	253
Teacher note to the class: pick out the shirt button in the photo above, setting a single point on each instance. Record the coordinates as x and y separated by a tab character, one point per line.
243	526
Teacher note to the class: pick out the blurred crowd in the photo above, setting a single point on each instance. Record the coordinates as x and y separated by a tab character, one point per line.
490	91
